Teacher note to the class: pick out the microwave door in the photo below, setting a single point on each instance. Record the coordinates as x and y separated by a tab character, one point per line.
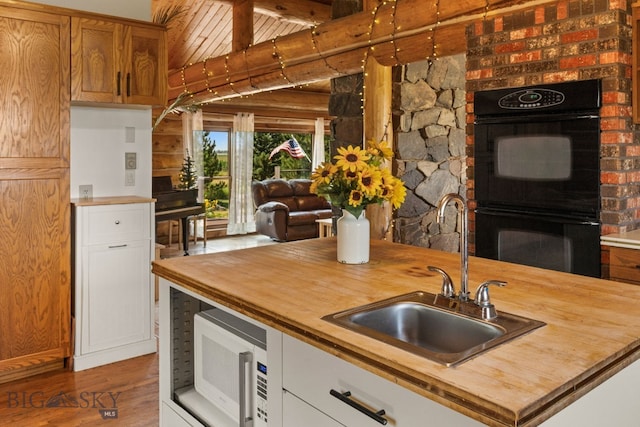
224	373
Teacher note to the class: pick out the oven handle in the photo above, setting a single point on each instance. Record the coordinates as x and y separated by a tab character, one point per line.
537	215
522	118
244	360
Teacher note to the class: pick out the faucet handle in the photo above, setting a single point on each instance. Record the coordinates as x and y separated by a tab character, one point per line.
484	301
447	285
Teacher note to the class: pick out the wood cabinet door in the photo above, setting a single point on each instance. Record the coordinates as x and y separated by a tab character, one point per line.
96	56
113	62
146	67
35	265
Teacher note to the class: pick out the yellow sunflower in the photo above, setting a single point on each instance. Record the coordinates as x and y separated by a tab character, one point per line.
379	149
398	194
324	173
351	158
355	198
370	180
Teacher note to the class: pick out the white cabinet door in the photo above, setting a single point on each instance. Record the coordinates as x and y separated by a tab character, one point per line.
297	413
311	374
116	295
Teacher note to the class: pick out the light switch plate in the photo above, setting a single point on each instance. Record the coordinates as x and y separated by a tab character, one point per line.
130	161
129	134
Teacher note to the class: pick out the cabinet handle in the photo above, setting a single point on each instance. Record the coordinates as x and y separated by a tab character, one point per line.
128	84
344	397
118	84
117	246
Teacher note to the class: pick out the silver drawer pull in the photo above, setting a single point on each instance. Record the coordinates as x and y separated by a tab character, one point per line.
344	397
117	246
117	222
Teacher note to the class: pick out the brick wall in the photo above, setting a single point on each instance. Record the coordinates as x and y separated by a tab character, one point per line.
565	41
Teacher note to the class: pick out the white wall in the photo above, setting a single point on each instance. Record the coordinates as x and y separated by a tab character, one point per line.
99	141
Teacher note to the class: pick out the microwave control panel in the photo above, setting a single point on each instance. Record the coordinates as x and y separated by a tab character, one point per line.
260	396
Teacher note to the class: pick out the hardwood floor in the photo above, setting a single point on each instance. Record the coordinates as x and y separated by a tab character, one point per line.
118	394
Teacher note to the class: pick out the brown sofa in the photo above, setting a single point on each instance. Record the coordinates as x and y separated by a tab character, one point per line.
287	210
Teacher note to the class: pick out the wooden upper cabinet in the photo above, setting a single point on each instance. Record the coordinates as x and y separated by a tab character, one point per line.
113	62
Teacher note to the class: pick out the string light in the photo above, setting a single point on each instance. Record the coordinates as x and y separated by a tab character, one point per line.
370	48
433	31
314	44
184	82
393	33
279	58
228	75
206	75
246	65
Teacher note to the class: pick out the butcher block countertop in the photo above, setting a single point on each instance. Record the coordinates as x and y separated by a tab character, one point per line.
592	326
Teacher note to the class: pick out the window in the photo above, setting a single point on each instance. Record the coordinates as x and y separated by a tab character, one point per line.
212	167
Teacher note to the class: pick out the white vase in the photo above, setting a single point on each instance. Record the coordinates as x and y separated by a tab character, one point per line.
353	238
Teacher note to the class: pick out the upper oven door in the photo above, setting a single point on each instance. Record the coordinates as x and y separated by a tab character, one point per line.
547	162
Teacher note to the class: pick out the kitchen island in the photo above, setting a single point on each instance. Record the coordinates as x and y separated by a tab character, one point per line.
592	330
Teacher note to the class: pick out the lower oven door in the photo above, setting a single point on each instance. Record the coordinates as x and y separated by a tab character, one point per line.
554	243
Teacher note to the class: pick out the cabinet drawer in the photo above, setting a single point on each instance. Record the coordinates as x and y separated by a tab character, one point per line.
311	374
624	265
115	223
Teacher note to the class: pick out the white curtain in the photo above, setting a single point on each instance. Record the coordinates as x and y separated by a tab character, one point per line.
192	129
241	215
317	157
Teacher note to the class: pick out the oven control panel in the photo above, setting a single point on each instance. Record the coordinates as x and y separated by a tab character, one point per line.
526	99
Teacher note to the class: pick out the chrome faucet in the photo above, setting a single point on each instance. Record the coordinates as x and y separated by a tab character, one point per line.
463	211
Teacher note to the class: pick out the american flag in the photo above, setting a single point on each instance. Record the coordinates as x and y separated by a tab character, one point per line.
292	147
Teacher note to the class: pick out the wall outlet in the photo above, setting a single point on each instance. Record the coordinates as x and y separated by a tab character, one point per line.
86	191
130	178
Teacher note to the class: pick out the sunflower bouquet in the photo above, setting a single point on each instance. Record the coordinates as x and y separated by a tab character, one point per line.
358	178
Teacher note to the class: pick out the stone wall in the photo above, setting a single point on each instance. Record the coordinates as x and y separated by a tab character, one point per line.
430	107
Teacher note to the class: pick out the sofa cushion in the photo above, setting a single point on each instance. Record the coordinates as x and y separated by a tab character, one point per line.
300	187
300	218
277	188
312	202
289	201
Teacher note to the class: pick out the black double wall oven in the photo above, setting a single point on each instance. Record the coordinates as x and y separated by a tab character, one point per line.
537	176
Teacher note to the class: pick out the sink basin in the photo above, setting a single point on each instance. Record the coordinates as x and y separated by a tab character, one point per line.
433	327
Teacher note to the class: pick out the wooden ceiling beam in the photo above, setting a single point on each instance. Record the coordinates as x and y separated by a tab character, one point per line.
399	36
242	25
300	12
313	104
264	121
296	11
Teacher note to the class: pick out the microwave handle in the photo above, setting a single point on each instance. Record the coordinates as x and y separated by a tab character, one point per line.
244	358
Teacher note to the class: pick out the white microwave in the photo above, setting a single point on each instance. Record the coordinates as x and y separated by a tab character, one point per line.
230	372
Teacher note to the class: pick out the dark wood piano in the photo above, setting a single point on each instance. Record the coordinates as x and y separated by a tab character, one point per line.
175	204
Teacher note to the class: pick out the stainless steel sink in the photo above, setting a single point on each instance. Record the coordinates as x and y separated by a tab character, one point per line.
439	329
